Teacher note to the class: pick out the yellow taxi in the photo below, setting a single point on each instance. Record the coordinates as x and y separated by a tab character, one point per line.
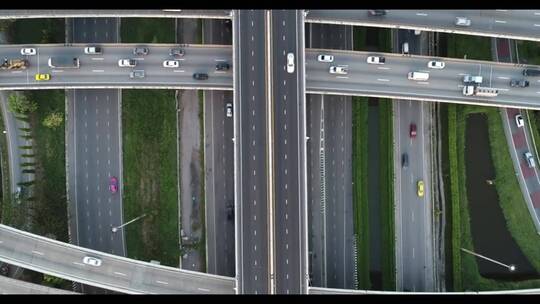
43	77
420	188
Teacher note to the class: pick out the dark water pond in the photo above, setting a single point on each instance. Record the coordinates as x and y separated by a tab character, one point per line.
488	227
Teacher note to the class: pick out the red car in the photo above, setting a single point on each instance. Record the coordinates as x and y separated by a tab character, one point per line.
113	184
412	131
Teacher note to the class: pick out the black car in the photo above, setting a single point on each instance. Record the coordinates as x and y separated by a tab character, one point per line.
531	72
200	76
522	83
140	51
177	52
230	212
378	12
405	160
222	66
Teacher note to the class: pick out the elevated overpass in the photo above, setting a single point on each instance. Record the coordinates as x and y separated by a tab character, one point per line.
513	24
163	13
116	273
335	291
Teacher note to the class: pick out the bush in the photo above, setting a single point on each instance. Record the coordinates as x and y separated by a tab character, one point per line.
28	171
26	136
27	164
25	129
28	155
20	104
53	120
29	183
25	147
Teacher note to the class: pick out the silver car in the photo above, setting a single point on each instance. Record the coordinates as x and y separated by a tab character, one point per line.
290	63
462	21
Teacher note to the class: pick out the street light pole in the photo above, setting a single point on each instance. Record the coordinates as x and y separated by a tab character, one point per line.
114	229
510	267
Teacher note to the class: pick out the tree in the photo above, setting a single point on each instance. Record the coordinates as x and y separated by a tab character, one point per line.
20	104
53	120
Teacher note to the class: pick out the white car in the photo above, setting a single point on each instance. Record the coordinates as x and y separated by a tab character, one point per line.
436	65
28	51
92	50
171	63
462	21
376	60
325	58
127	63
290	63
92	261
340	69
228	107
519	121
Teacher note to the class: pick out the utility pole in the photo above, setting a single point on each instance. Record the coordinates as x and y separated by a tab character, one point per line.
510	267
115	229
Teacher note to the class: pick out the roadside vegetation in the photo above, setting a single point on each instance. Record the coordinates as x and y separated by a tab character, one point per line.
465	269
150	175
147	30
528	52
5	178
202	213
40	30
466	46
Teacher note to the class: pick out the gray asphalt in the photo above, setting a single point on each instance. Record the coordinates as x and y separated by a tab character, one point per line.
164	13
219	161
414	248
251	140
330	135
287	98
117	273
104	70
517	24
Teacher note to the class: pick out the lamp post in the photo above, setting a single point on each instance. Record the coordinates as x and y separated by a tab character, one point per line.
510	267
115	229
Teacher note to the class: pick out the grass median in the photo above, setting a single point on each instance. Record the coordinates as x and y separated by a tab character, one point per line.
5	208
471	47
147	30
39	30
528	52
150	175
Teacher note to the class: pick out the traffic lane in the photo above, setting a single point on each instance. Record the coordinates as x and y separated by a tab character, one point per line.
164	13
57	255
254	217
522	144
94	30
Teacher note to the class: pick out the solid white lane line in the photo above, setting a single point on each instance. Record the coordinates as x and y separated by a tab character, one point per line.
77	263
37	252
383	68
119	273
344	77
383	79
98	58
503	77
421	14
500	21
204	289
98	71
536	24
162	282
178	71
423	82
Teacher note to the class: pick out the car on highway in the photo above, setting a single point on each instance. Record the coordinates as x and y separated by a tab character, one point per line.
325	58
519	83
436	64
200	76
88	260
412	130
137	74
404	160
177	52
113	184
127	63
519	121
140	51
43	77
376	60
93	50
530	159
4	269
340	69
230	211
290	63
171	63
472	79
376	12
28	51
420	188
228	109
531	72
462	21
222	66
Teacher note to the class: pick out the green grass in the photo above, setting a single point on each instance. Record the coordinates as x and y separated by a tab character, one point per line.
466	275
385	41
529	52
533	121
387	195
150	175
475	47
147	30
5	208
359	38
51	30
360	188
202	247
50	187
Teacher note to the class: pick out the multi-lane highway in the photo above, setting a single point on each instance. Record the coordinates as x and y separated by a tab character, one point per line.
96	13
516	24
103	71
115	273
287	98
251	141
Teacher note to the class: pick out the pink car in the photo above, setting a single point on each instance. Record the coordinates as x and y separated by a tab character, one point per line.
113	184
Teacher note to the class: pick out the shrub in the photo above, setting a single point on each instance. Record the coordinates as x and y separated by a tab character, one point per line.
53	120
20	104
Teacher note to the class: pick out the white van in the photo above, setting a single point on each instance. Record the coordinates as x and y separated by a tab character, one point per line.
418	76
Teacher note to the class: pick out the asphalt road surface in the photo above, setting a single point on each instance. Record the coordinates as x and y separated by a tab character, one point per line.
288	93
251	136
117	273
165	13
414	247
330	128
517	24
219	166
